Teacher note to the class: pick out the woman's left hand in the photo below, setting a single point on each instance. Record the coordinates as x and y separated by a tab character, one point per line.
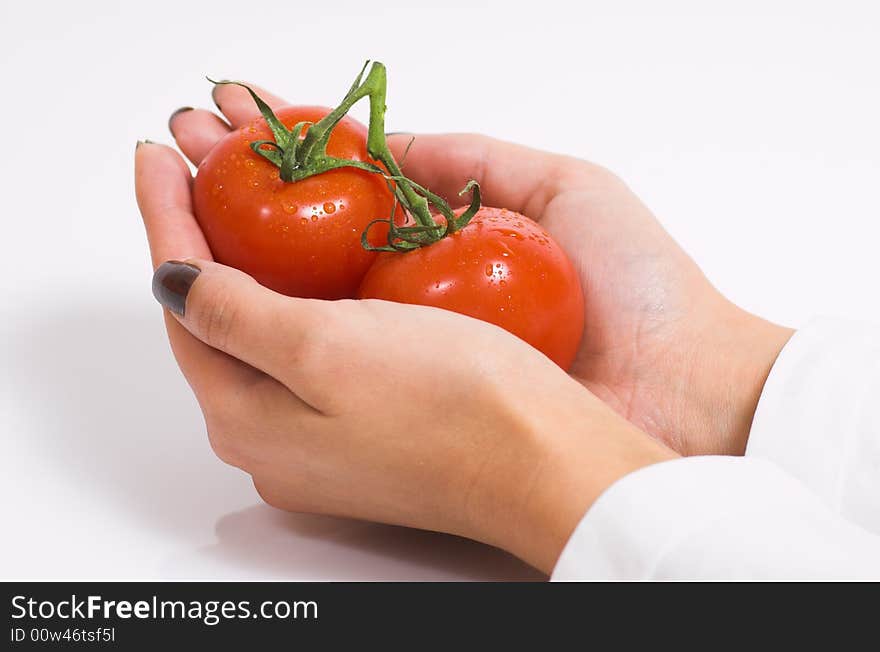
349	408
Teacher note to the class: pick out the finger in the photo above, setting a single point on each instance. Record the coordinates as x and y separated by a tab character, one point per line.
162	187
511	176
229	311
237	104
251	427
196	132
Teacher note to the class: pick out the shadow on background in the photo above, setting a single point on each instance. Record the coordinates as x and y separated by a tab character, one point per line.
109	411
263	542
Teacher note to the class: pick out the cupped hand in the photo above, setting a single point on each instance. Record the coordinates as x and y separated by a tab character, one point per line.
347	408
661	345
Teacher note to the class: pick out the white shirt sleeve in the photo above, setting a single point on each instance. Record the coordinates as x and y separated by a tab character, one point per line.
747	518
818	416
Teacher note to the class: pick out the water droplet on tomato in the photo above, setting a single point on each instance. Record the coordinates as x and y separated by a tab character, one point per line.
489	270
503	283
250	163
289	207
508	232
303	221
329	207
255	183
314	218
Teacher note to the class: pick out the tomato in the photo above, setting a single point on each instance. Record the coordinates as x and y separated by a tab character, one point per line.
299	238
502	268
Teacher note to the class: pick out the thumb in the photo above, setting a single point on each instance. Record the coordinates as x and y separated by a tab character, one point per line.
230	311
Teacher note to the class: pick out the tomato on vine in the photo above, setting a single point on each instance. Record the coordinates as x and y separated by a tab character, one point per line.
282	199
502	268
301	239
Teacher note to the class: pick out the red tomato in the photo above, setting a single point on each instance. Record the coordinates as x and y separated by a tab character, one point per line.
303	238
501	268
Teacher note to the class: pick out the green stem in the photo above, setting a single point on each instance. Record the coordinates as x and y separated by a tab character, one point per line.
300	158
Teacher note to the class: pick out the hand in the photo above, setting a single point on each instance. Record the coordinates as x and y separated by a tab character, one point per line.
482	437
661	345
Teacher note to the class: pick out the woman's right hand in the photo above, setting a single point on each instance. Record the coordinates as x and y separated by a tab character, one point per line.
661	345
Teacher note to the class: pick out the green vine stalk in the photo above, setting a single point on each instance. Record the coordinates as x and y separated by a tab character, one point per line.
301	152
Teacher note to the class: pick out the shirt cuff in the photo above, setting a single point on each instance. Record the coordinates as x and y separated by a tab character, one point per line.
626	530
713	518
817	416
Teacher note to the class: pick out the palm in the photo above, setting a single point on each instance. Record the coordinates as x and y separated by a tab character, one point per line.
647	304
639	286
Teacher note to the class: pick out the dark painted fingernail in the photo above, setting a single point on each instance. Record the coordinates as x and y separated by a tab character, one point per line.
214	96
182	109
171	284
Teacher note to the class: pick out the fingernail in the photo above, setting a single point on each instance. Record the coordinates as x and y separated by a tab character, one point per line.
214	96
398	133
171	284
182	109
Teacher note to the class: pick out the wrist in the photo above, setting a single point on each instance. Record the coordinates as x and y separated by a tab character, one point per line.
733	360
569	454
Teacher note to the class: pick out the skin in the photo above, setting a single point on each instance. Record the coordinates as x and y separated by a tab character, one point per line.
661	345
501	445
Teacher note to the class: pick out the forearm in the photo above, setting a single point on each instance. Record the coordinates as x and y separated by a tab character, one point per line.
578	449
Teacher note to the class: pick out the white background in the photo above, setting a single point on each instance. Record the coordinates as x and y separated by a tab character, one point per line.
751	128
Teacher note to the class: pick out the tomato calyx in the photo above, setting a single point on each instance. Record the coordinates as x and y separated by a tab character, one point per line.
301	152
407	238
